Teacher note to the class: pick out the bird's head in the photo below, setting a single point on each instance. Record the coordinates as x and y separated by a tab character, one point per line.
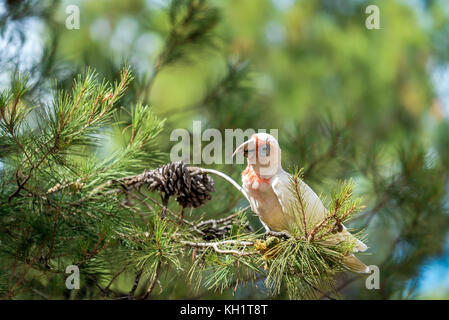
263	154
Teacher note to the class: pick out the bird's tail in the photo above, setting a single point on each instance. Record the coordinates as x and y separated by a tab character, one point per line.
360	246
355	265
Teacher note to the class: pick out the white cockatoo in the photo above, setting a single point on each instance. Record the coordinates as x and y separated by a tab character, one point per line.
268	189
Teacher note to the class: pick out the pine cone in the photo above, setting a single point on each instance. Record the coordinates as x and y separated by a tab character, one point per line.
191	186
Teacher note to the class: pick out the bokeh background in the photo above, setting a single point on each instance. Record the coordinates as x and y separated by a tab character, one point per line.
347	101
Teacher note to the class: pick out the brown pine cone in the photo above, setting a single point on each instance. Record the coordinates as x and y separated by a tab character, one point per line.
190	185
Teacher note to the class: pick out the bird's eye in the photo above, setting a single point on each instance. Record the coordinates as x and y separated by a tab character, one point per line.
266	149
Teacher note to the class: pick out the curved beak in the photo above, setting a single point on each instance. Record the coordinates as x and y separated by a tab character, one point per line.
245	147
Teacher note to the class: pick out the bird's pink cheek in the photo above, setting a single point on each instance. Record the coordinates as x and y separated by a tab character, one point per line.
255	185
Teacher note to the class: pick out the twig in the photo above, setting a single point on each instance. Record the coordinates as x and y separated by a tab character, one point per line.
135	285
340	287
176	216
310	284
107	288
165	204
214	245
153	282
215	222
324	294
43	295
228	178
299	196
330	152
284	234
333	214
238	276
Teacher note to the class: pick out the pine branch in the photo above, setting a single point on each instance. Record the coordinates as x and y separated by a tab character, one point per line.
135	285
191	24
216	246
153	281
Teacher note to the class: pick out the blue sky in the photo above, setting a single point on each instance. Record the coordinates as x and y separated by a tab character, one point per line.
434	276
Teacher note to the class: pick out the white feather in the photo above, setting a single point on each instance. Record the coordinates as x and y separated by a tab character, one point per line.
314	208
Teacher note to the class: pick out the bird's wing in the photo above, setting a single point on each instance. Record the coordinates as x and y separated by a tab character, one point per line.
307	209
